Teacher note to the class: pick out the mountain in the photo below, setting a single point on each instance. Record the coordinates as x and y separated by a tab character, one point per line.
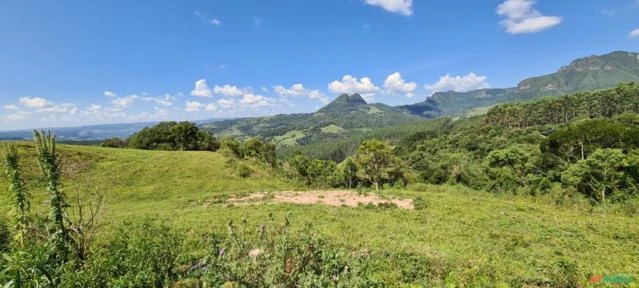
590	73
345	115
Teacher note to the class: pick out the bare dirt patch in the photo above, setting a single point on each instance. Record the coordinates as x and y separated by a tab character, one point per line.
332	198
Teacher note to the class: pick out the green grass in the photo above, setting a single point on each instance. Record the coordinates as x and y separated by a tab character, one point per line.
510	238
290	138
333	129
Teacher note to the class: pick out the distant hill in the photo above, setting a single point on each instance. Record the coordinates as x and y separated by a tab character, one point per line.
347	114
590	73
82	133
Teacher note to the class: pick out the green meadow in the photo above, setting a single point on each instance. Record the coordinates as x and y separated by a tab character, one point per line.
461	236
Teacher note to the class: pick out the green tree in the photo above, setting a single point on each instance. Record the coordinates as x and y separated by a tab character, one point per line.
599	175
375	158
347	171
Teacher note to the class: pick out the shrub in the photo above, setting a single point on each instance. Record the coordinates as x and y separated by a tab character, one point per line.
244	171
139	255
277	256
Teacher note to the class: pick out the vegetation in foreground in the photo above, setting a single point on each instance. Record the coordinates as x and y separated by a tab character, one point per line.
501	240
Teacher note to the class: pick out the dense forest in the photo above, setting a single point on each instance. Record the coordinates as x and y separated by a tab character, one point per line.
583	143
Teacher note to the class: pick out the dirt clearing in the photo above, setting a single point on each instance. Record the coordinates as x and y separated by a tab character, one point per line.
332	198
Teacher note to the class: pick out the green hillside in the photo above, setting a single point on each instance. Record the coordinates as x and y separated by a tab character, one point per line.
590	73
150	182
346	115
502	240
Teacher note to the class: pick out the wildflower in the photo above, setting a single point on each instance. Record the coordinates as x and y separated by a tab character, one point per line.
221	252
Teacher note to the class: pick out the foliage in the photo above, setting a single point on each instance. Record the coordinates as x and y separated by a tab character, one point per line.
173	136
20	194
145	254
600	176
276	256
114	143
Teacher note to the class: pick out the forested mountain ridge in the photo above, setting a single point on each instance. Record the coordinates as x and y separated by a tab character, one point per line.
345	115
589	73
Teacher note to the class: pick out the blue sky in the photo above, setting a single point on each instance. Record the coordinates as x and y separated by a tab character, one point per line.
69	63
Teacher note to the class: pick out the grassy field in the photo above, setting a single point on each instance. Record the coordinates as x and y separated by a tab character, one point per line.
465	233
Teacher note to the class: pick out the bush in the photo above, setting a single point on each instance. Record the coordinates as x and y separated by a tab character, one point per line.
244	171
139	255
113	143
276	256
418	187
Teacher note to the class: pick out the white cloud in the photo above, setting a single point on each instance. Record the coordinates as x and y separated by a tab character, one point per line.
94	108
459	83
228	90
201	89
210	107
394	84
62	108
124	102
250	100
350	85
193	106
35	102
404	7
10	107
110	94
18	115
634	33
522	17
226	103
216	22
167	100
297	90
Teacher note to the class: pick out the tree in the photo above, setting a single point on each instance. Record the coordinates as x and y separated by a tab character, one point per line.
113	143
173	136
599	175
348	172
375	158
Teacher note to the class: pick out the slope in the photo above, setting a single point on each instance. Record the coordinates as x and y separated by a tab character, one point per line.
347	114
589	73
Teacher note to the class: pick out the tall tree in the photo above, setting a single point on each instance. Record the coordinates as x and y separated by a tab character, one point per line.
375	157
599	175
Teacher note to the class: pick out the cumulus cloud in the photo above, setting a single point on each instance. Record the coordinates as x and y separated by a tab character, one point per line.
125	102
298	90
404	7
35	102
634	33
166	100
201	89
19	115
11	107
62	108
251	100
216	22
210	107
522	17
193	106
459	83
110	94
226	103
394	84
350	85
228	91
